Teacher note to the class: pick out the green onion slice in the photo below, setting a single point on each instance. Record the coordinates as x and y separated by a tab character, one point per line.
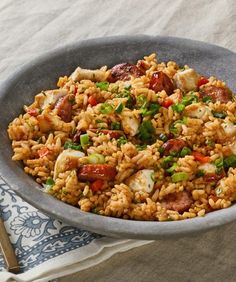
84	140
179	176
103	85
106	108
96	159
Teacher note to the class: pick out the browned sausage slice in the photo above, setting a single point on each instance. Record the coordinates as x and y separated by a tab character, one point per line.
179	202
64	107
220	94
160	81
124	72
91	172
173	146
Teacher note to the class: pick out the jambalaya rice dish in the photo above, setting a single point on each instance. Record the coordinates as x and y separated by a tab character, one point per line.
150	141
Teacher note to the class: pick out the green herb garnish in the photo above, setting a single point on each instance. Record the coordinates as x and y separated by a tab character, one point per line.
200	173
178	108
206	99
84	140
115	126
103	85
179	176
106	108
122	140
119	108
221	115
163	137
73	146
141	147
230	161
185	151
50	182
146	131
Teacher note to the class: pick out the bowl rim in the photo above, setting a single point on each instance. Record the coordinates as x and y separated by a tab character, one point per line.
115	227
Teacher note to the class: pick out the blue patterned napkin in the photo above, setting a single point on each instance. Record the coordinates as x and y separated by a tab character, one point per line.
47	248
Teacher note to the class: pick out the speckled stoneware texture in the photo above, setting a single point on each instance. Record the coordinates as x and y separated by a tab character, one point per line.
43	73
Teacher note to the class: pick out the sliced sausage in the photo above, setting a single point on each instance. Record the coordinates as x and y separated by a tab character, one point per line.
213	177
91	172
64	107
76	137
160	81
173	146
179	202
221	94
112	133
124	72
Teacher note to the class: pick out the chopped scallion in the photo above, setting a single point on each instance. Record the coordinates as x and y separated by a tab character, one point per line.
206	99
185	151
115	126
96	159
163	137
122	140
179	176
172	168
119	108
84	140
73	146
230	161
200	173
178	108
102	85
146	131
106	108
50	182
141	147
221	115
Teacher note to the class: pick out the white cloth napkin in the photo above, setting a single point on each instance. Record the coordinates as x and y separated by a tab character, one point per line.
47	248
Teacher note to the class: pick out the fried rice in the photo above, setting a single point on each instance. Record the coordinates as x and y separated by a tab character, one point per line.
150	141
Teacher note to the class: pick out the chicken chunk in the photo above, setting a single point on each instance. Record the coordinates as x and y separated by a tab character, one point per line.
52	96
67	160
141	181
93	75
229	129
130	122
49	122
187	80
207	168
198	111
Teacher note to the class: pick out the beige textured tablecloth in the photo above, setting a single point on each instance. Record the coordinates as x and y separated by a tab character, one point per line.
29	28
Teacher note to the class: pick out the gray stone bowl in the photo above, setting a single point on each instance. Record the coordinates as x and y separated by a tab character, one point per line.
43	73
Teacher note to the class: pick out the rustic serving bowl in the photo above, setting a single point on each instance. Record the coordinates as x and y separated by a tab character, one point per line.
43	73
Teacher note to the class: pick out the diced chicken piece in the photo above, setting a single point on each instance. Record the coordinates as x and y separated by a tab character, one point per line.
130	122
187	80
229	129
207	168
232	147
93	75
176	97
197	111
52	96
141	181
67	160
49	122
